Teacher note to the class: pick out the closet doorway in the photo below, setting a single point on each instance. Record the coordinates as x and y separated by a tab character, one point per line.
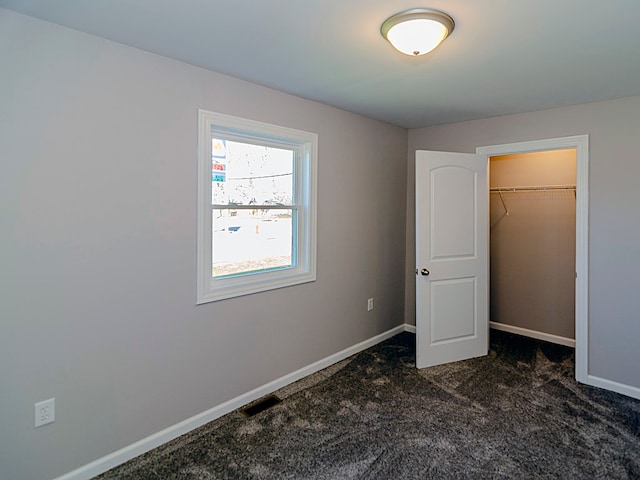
532	244
581	145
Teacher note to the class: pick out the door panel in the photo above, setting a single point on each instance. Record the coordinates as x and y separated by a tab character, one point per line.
452	245
452	211
453	304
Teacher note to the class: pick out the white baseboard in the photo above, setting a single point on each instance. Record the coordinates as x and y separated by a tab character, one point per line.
547	337
629	391
138	448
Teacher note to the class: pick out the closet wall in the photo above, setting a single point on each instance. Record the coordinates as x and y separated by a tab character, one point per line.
533	242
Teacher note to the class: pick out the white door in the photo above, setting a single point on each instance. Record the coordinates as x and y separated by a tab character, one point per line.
451	257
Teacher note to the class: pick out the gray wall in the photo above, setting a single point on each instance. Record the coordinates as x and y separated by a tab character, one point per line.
97	246
614	222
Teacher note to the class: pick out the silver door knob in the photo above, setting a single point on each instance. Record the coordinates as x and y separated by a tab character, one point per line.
424	272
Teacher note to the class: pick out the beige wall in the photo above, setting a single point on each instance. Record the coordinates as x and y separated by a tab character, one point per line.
97	247
554	167
614	222
533	242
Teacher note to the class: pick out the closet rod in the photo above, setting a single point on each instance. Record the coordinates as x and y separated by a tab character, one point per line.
532	188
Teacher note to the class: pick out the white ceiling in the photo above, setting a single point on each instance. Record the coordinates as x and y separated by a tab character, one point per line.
504	56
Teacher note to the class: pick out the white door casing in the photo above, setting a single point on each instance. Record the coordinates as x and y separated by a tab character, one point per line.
451	257
581	144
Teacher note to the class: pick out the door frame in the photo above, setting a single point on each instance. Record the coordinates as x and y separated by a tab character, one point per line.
581	144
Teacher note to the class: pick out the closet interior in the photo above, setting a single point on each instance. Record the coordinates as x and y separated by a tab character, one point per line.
532	244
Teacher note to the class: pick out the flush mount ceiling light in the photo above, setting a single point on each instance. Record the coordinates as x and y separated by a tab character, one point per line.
417	31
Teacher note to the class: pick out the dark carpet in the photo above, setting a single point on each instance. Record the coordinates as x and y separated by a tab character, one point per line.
515	414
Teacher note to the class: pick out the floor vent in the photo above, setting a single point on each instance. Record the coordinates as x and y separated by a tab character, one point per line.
260	406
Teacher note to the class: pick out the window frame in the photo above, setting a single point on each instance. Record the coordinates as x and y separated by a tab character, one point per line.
305	147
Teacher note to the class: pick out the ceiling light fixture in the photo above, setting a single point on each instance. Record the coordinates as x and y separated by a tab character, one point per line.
417	31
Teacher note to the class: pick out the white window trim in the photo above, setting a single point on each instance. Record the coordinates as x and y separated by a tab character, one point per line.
305	191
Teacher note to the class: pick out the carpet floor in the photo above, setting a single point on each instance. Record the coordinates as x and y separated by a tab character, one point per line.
516	414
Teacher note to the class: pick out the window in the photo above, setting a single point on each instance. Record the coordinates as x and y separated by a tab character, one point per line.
256	206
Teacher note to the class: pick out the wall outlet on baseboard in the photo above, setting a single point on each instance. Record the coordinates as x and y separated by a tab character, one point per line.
369	304
45	412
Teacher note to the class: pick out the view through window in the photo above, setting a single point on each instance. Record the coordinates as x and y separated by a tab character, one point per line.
253	212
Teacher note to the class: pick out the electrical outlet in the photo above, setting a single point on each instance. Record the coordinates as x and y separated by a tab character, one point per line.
369	304
45	412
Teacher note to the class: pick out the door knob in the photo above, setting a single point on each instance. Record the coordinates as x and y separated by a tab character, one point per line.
424	272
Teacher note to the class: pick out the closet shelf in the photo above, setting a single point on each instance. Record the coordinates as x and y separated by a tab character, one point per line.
532	188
